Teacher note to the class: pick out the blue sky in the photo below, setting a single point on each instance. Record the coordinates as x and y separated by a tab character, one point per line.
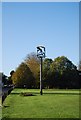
0	36
27	25
80	31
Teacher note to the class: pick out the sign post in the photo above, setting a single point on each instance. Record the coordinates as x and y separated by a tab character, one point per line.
41	55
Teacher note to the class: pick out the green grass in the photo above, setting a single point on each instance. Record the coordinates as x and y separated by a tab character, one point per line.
0	107
52	104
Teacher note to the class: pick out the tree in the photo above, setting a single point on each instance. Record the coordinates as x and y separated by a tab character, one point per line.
64	73
79	72
1	76
46	72
3	79
23	76
33	63
12	72
10	77
0	79
80	65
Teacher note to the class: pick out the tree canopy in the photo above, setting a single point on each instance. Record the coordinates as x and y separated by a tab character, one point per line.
23	77
57	73
33	63
64	73
46	72
80	65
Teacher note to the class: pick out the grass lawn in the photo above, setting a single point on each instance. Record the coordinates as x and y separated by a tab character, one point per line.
0	107
52	104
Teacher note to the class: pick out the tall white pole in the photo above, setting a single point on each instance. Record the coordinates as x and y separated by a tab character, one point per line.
41	55
41	76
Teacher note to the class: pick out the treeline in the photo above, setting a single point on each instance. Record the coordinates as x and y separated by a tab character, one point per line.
5	80
57	73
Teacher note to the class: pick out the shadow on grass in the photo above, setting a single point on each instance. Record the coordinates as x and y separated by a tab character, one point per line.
5	106
64	93
41	118
24	94
59	93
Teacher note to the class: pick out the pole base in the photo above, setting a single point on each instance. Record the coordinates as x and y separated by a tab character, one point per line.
41	93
